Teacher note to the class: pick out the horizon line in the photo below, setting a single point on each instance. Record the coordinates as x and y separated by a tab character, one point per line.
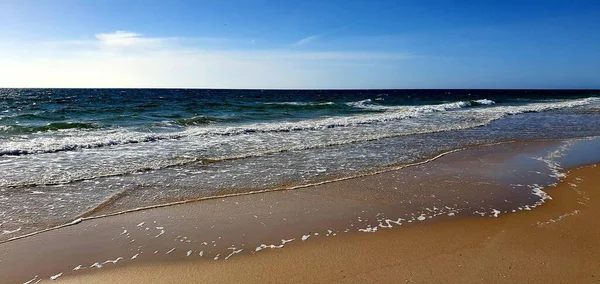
303	89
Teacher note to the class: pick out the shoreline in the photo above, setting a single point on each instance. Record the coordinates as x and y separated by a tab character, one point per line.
89	215
439	193
86	216
554	243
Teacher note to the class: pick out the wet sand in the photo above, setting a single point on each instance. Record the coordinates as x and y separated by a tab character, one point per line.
555	243
442	213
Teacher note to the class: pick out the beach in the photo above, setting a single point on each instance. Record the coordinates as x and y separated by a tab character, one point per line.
414	224
70	154
556	243
114	185
299	141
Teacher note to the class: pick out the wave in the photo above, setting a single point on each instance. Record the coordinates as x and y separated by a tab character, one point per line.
54	126
106	138
482	102
370	105
199	120
366	104
295	106
88	215
300	103
12	116
78	141
548	105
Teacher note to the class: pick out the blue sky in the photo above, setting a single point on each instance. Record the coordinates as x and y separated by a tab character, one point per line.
300	44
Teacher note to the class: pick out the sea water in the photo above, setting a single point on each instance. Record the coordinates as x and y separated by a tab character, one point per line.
68	153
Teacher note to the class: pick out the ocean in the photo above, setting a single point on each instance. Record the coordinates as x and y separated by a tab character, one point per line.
72	153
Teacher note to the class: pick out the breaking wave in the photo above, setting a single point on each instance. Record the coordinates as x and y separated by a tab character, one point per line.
54	126
76	140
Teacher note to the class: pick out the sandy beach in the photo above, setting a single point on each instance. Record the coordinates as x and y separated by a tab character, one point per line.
299	141
464	217
556	243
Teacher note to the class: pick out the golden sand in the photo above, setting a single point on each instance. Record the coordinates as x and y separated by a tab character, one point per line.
558	242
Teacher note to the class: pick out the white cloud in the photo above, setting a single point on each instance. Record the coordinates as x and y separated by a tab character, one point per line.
129	39
172	62
310	39
306	40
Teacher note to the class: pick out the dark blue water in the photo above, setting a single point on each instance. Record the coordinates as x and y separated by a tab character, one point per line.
26	111
66	152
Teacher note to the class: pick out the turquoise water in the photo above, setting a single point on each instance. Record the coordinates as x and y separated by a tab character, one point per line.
64	152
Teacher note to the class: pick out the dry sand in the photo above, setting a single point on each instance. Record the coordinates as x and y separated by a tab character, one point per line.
555	243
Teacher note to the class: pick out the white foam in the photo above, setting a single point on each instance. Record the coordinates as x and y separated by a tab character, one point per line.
283	242
6	232
305	237
559	218
370	105
475	116
112	261
551	159
369	230
32	280
537	190
189	252
54	277
360	104
485	102
170	251
93	139
233	251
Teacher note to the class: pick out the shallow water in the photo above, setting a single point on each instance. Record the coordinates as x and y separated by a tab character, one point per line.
486	181
71	153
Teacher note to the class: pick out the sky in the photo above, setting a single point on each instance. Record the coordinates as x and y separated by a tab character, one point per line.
301	44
